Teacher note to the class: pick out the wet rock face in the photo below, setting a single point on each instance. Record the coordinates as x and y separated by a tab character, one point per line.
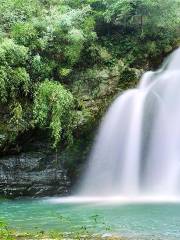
33	174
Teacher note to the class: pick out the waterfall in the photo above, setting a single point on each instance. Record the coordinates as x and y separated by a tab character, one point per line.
137	148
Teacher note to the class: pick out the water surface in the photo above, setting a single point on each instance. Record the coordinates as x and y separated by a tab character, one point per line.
137	220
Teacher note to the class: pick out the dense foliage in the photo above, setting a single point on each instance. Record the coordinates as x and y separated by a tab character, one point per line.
62	61
53	104
146	30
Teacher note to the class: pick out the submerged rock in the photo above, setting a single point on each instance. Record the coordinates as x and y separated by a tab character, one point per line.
32	174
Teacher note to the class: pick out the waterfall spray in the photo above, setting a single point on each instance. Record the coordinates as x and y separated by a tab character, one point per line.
137	149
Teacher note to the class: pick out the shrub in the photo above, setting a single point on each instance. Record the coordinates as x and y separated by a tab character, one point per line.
53	107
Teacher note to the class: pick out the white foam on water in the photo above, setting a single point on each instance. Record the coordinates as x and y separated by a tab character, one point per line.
113	200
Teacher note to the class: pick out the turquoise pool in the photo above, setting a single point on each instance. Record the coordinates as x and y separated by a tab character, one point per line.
139	221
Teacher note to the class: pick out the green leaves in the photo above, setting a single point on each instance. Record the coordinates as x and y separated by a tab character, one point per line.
24	33
5	232
14	79
12	54
56	39
117	10
41	40
148	14
13	11
53	106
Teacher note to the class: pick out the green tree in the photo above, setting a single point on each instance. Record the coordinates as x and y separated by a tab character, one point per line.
12	11
149	15
53	106
14	79
141	31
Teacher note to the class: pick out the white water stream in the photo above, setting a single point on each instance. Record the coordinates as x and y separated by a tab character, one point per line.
137	150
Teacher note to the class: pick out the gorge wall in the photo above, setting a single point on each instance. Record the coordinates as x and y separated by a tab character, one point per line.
33	173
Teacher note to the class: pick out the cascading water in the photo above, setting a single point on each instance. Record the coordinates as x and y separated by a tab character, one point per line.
137	150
